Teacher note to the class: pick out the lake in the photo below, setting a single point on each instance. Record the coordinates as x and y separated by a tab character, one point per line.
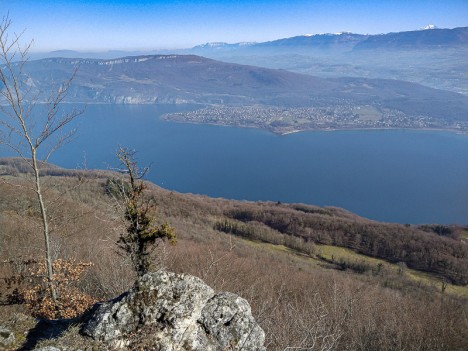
386	175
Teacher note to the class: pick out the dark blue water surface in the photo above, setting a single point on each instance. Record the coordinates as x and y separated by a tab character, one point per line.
392	175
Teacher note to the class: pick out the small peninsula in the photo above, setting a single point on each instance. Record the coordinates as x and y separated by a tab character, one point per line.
340	116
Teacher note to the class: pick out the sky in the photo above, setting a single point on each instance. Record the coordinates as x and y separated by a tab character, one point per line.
97	25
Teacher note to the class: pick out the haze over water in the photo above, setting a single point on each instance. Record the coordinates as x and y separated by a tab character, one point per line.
387	175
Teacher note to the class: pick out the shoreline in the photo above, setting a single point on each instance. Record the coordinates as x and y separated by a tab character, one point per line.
279	133
456	131
162	117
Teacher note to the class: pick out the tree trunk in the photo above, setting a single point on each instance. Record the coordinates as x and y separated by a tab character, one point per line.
45	228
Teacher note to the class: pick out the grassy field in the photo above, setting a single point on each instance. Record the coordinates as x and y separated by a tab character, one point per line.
327	255
334	253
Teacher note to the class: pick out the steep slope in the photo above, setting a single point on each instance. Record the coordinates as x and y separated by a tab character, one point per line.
173	79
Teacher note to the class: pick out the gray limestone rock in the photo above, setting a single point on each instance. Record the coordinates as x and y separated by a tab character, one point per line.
6	337
176	312
228	319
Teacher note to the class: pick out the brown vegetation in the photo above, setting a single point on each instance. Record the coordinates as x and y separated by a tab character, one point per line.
70	303
299	301
418	249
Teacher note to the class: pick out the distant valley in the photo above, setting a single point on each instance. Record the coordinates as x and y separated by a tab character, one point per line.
434	57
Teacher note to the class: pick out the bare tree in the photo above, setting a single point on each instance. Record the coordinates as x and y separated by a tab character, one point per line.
31	135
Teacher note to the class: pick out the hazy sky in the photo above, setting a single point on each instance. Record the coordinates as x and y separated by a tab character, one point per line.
99	25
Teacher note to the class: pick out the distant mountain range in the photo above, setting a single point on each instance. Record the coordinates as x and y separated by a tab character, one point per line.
429	37
193	79
434	57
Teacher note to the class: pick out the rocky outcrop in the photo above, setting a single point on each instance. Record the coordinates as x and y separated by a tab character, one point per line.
171	312
7	337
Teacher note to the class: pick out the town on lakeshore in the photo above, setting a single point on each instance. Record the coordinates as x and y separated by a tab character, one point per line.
342	115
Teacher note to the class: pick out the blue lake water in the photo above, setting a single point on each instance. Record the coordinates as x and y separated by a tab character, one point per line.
388	175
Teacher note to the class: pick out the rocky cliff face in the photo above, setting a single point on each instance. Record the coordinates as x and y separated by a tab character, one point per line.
172	312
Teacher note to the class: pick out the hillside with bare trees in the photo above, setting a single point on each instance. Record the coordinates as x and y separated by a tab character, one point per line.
318	278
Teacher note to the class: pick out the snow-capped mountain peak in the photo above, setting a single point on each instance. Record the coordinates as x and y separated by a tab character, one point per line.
429	26
326	34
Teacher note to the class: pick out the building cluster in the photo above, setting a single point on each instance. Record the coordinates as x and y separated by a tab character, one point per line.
282	120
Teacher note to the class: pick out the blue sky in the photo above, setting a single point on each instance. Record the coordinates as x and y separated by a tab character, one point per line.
98	25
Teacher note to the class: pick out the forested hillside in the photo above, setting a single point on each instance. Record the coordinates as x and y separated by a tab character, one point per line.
314	276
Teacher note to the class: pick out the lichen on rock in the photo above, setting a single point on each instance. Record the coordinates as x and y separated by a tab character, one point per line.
7	337
179	312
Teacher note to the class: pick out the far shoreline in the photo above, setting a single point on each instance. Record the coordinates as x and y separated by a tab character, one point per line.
279	133
456	131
